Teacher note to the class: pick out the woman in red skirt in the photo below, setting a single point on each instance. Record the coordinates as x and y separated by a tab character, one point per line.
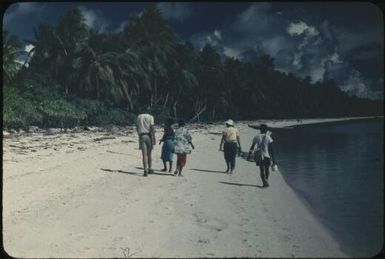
182	143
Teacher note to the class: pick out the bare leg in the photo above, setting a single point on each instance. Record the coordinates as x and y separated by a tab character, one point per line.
164	166
176	170
177	164
232	163
170	167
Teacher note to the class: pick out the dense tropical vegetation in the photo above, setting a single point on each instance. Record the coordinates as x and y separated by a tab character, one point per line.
77	75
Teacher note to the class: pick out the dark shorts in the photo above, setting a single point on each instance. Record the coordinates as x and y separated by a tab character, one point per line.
265	162
145	140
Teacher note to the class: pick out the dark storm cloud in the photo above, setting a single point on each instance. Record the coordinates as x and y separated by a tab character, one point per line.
341	41
310	40
175	11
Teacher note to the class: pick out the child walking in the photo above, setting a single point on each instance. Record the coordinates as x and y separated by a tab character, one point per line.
168	145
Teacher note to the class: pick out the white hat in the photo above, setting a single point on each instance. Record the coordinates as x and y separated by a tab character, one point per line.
230	122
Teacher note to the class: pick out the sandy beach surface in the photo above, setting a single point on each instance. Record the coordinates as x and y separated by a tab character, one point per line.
84	195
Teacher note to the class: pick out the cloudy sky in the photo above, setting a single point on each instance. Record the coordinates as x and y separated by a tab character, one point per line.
343	41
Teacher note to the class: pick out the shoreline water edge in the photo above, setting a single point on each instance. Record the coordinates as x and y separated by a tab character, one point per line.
72	195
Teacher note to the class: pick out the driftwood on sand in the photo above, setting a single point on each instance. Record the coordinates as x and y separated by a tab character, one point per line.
197	115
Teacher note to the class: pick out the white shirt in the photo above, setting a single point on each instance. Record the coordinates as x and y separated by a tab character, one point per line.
261	142
144	123
230	134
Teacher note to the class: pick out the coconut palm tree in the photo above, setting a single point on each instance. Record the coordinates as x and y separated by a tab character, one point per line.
48	53
152	39
210	76
11	51
112	75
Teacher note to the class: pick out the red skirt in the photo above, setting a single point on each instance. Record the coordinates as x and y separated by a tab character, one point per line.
181	159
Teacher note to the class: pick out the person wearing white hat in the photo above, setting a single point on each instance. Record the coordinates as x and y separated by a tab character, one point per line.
230	138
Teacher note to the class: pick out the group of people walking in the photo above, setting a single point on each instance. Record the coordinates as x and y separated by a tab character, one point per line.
179	142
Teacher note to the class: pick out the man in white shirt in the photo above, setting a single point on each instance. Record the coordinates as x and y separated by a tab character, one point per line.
145	128
263	142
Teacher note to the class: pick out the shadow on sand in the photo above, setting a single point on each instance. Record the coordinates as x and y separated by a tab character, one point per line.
243	184
157	172
133	173
208	171
121	171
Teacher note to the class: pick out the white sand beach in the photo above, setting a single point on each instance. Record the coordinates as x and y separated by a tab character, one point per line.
83	195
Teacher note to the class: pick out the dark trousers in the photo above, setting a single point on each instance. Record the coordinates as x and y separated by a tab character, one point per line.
230	152
264	169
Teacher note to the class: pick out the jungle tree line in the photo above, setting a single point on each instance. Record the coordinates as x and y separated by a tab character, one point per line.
147	64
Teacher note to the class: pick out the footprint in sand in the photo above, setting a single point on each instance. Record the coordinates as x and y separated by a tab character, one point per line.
201	220
214	224
204	241
117	239
105	227
284	238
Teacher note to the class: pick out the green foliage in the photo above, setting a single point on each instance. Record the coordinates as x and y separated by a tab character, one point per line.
39	87
60	113
160	113
78	75
111	117
18	111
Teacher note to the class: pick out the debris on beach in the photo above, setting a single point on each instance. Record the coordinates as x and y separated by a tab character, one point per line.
33	129
103	138
52	131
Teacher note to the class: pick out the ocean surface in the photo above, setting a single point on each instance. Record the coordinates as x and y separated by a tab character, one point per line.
338	171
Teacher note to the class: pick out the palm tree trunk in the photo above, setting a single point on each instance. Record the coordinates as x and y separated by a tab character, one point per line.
165	101
175	103
155	91
97	90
